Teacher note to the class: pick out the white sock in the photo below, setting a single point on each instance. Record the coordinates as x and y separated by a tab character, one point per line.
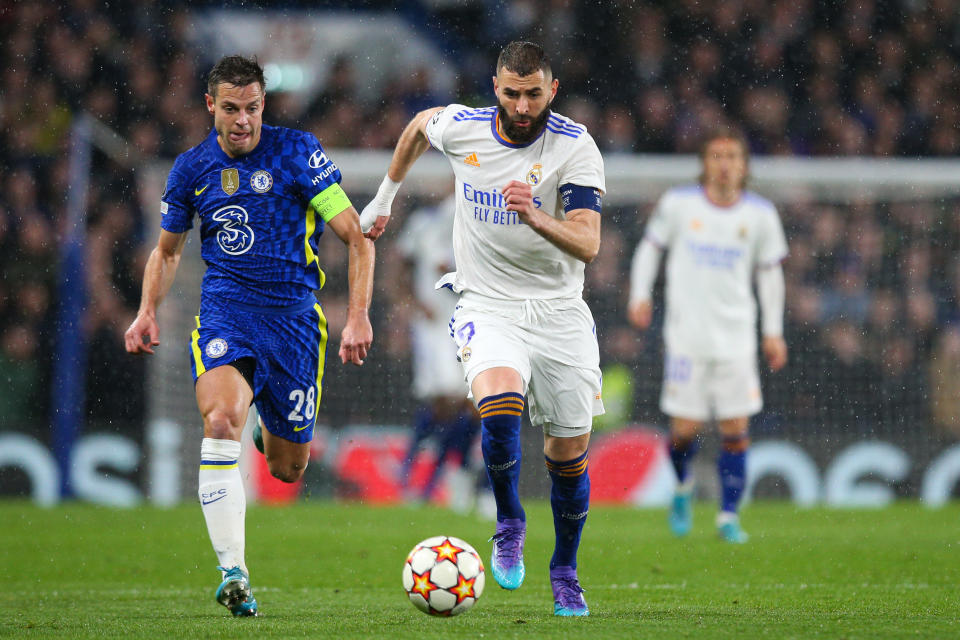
222	499
723	517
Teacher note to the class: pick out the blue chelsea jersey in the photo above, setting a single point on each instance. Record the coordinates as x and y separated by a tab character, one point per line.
261	215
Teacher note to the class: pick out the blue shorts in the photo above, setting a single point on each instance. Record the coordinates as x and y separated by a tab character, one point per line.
288	348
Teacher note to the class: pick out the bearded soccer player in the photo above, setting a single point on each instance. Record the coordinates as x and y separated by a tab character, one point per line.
529	185
263	196
720	238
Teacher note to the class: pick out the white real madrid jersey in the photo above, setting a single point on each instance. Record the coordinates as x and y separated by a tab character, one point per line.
426	241
713	252
496	254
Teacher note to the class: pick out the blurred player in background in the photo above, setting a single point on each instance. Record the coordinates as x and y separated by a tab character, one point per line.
263	196
718	236
529	185
445	413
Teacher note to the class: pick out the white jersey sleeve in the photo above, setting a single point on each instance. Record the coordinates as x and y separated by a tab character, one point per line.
659	228
438	123
585	167
771	241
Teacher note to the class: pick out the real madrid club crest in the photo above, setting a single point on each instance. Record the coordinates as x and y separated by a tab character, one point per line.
534	176
261	181
230	181
216	348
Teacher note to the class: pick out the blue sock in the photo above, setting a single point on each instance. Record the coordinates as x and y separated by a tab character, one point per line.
732	467
681	453
500	417
570	499
422	429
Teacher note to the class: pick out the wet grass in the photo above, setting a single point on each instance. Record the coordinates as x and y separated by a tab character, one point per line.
333	570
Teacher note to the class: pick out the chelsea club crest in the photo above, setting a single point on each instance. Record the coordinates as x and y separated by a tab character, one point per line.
216	348
261	181
534	176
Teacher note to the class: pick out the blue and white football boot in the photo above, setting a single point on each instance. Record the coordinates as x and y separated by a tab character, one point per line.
235	594
506	561
567	593
728	528
681	513
257	435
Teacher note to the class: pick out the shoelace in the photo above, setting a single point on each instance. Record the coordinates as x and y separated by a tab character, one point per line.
508	543
568	593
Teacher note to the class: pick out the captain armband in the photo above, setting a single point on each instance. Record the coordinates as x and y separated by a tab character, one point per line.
330	202
575	196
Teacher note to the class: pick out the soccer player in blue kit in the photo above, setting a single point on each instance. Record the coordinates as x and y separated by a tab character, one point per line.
263	196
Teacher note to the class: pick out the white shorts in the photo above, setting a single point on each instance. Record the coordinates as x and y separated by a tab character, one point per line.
552	344
436	372
704	388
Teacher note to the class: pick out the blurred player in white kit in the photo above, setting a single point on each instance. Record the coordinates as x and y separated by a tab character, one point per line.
529	188
445	413
719	237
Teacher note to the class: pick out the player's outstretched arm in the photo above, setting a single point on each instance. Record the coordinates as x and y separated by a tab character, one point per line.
412	144
144	334
357	335
578	234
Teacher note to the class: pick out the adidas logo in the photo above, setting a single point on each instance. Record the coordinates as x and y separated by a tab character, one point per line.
472	160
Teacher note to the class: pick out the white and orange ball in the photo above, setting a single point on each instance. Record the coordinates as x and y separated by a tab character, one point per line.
443	576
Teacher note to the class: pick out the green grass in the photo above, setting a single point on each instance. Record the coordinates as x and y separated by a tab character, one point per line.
332	570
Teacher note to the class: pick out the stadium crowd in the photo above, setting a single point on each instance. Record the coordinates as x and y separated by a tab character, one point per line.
873	316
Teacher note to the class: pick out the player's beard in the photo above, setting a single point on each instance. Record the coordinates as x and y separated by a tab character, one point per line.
523	135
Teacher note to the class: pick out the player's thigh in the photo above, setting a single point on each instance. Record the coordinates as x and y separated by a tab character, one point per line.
223	394
489	341
292	371
564	399
565	383
223	397
734	386
684	393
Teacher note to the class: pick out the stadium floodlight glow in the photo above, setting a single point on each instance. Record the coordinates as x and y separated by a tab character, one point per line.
288	76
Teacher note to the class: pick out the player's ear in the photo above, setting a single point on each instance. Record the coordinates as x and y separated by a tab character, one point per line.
210	103
496	87
554	85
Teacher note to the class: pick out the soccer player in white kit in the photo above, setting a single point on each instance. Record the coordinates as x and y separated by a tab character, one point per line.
718	236
444	412
529	185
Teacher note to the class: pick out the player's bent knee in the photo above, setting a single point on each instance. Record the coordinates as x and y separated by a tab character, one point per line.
222	425
288	472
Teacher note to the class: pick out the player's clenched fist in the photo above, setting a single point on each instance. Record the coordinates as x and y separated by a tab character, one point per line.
518	196
142	335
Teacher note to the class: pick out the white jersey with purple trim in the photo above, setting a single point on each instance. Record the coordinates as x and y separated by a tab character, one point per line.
496	254
711	311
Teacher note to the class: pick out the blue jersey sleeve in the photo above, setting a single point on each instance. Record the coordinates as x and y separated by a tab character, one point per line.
317	177
175	204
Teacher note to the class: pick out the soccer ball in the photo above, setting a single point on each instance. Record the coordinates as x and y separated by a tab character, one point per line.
443	576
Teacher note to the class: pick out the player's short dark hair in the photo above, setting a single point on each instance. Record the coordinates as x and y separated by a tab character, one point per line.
236	70
524	58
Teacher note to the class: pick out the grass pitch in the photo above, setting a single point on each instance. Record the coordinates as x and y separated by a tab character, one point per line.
332	570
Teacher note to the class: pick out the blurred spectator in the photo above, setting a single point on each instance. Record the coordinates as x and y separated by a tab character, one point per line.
873	289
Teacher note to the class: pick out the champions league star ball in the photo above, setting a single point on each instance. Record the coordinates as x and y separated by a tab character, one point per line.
443	576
